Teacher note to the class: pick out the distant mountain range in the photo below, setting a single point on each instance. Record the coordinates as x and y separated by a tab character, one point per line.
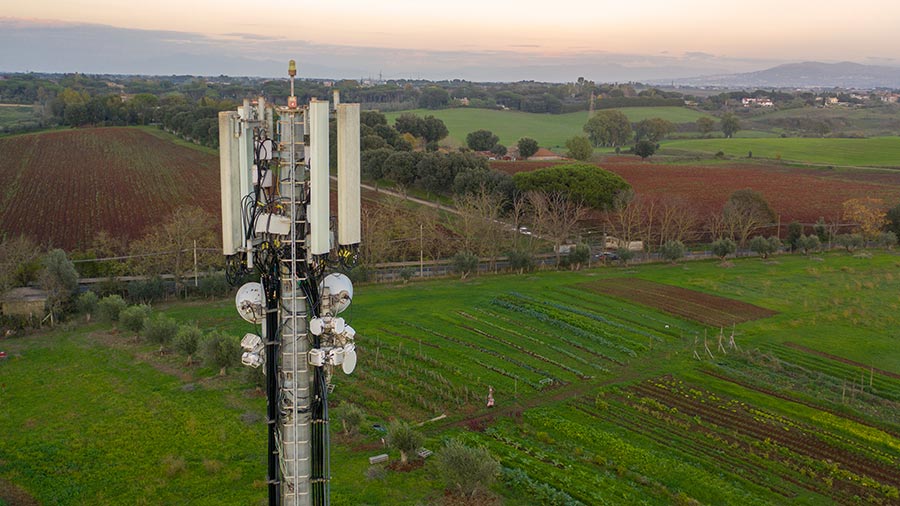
806	75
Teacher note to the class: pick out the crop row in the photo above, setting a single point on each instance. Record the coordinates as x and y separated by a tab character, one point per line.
591	322
486	351
863	378
533	331
624	312
811	388
854	464
550	316
526	351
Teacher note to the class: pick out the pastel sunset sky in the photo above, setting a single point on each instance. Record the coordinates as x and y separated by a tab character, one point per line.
466	38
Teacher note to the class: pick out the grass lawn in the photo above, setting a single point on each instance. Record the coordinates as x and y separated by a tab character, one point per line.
875	152
98	417
550	130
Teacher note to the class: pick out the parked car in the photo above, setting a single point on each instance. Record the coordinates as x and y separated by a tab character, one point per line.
606	256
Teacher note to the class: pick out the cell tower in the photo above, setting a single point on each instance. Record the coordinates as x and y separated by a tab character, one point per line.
277	232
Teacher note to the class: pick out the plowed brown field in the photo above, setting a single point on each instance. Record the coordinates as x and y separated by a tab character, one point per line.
61	188
802	194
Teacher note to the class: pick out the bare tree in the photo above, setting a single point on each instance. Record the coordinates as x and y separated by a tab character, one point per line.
482	231
555	217
677	220
744	213
626	218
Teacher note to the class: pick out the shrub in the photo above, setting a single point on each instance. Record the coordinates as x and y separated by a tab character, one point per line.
187	339
808	243
147	291
672	250
220	350
110	306
160	329
579	255
406	274
132	318
764	247
886	240
849	242
404	439
723	247
214	285
466	470
352	418
464	264
624	255
520	261
86	304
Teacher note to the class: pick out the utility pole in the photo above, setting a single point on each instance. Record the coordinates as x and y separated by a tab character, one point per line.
276	225
421	250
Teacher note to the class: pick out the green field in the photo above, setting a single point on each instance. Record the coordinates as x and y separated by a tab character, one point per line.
607	401
550	130
872	152
16	116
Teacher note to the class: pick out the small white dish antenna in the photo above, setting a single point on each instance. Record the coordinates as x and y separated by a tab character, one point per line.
349	359
316	326
338	325
340	289
249	302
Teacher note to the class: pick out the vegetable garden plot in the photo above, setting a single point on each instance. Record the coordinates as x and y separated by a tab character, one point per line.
758	445
690	304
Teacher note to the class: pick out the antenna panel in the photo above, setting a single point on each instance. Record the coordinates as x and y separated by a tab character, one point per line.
348	174
319	238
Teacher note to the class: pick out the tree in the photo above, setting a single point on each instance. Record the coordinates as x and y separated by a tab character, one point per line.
481	140
579	148
411	124
672	251
19	262
434	97
580	182
579	255
520	261
808	243
653	129
744	212
404	439
174	241
555	216
886	240
528	147
868	213
893	219
608	128
187	340
161	330
821	230
850	242
730	125
464	264
59	279
221	350
706	125
764	247
723	247
132	318
434	129
498	150
644	149
466	470
795	230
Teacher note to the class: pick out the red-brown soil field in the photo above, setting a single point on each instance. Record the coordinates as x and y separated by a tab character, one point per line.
690	304
802	194
62	187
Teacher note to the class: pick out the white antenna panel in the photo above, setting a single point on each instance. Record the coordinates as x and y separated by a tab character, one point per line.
348	174
319	239
230	183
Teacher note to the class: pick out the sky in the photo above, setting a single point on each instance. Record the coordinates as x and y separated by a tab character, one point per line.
470	39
